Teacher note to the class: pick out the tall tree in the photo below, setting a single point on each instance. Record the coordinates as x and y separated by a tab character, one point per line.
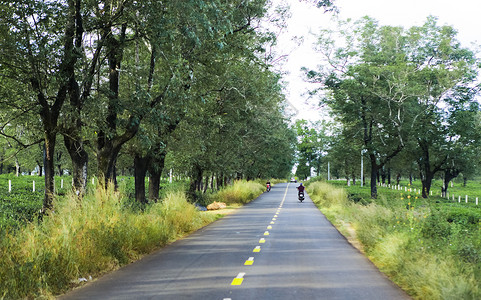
384	78
39	54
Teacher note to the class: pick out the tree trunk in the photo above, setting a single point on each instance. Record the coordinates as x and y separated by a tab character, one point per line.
59	164
449	174
373	181
155	170
109	142
196	180
427	181
49	167
79	158
383	175
140	169
206	186
106	164
426	170
154	186
17	167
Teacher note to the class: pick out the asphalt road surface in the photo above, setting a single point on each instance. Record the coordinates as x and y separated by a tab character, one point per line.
273	248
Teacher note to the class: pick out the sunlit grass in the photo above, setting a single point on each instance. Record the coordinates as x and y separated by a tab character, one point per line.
241	191
427	249
86	238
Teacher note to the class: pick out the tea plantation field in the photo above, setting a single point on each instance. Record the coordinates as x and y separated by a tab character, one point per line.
22	203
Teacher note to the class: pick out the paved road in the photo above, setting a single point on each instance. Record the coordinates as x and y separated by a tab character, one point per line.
273	248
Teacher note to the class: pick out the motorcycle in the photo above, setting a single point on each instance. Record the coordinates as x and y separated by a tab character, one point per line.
268	188
301	196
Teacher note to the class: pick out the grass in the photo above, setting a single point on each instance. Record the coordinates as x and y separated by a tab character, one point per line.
89	237
429	247
241	192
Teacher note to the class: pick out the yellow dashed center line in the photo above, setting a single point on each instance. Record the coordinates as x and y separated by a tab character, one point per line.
238	280
249	262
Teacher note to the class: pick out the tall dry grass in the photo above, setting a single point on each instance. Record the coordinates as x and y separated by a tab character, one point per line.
87	238
241	192
391	238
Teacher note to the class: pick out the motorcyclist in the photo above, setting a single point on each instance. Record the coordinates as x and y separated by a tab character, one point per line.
268	186
300	189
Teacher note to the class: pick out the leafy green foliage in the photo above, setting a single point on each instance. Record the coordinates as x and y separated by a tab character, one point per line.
393	89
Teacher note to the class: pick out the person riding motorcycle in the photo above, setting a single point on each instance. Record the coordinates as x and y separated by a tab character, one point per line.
300	189
268	186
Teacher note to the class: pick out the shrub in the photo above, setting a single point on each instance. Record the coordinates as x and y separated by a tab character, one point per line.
88	237
241	192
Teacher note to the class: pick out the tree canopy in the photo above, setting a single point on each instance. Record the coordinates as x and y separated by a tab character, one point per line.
112	77
392	87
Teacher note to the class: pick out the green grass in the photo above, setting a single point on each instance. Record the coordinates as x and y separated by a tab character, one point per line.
430	247
97	234
87	238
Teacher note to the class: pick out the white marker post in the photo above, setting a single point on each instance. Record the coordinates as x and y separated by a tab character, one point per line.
362	166
9	186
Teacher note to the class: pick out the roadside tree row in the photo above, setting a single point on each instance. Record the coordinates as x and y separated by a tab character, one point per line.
139	82
405	98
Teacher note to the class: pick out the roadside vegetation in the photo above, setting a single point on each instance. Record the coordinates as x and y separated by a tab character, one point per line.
80	240
429	247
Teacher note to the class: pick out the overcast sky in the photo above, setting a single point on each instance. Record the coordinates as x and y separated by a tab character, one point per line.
463	15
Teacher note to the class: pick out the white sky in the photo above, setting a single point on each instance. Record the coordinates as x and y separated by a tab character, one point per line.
463	15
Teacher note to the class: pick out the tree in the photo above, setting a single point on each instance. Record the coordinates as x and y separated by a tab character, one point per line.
463	139
445	72
38	55
313	142
385	78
